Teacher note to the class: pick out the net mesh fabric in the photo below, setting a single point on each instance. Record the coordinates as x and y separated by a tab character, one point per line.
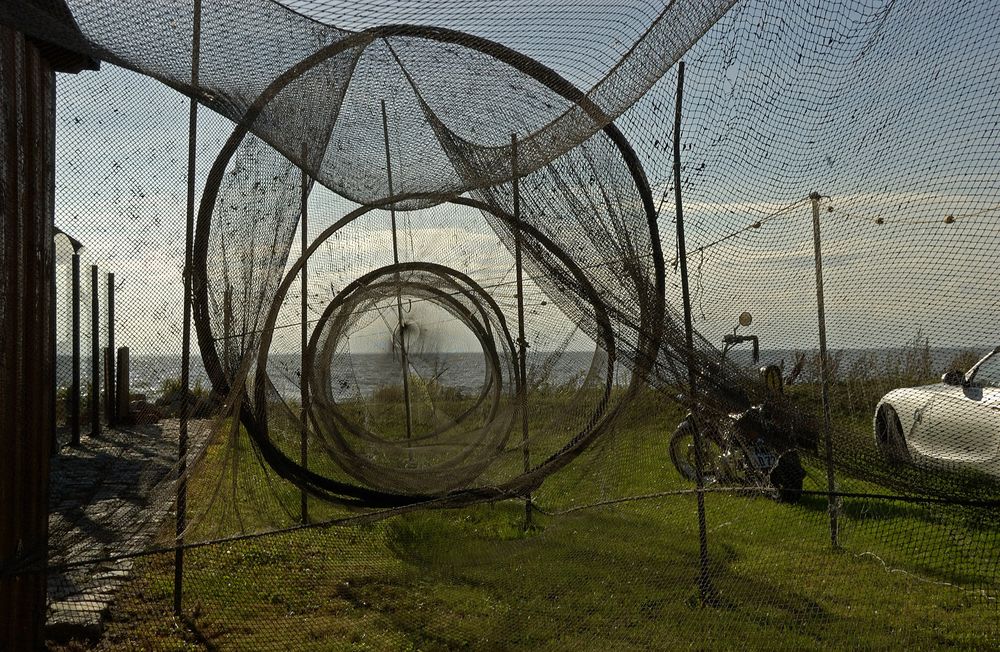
335	499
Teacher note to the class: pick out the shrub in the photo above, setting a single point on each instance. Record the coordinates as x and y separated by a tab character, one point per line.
963	361
201	401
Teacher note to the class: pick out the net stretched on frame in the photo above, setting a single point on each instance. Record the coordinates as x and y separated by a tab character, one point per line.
435	266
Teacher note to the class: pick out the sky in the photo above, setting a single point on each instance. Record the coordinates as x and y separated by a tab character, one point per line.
897	124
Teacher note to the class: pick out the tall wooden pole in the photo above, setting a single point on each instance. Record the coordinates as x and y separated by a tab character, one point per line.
26	369
27	345
824	375
522	341
95	352
182	437
112	404
74	408
53	357
399	297
704	581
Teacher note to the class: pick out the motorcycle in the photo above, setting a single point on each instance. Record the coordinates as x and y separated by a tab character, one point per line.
742	449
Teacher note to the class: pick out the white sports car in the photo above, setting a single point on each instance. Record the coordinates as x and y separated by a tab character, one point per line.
952	424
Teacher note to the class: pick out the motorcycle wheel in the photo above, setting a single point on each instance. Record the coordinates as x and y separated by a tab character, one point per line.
786	477
682	453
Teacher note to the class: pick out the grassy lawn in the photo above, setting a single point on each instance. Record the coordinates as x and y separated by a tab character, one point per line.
620	576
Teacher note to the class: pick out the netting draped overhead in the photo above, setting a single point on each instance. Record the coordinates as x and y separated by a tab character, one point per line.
328	80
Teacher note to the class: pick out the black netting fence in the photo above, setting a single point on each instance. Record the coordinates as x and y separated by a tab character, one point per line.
456	382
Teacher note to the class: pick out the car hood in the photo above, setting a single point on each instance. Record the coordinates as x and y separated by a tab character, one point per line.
922	390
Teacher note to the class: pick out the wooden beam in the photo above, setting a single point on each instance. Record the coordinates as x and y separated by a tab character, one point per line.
27	380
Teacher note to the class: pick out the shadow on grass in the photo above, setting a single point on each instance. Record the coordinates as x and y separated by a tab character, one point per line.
604	574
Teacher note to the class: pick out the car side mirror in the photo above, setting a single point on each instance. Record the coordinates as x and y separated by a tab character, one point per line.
953	378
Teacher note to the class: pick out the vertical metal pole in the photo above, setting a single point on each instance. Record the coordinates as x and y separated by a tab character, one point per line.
704	582
227	328
95	353
304	364
112	403
824	375
399	296
182	436
522	341
74	396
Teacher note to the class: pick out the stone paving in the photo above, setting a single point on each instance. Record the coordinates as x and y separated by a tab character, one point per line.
107	498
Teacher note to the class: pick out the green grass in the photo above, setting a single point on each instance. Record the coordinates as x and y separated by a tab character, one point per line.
620	576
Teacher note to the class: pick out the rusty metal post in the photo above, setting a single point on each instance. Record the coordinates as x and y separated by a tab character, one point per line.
304	363
227	329
704	581
182	435
399	297
824	376
522	342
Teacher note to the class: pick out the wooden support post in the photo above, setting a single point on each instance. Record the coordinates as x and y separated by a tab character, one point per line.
53	361
95	353
26	371
27	343
110	378
108	357
824	376
74	395
123	397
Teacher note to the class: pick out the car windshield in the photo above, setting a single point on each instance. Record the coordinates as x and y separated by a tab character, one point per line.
988	373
